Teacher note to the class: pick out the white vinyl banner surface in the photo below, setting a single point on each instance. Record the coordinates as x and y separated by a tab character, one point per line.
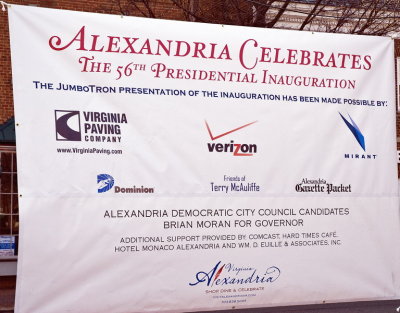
170	166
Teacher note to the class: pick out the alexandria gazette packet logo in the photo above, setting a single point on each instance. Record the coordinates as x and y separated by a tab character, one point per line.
359	137
320	185
89	126
230	274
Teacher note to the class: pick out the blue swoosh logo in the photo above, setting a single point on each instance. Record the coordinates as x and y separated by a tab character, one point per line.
355	131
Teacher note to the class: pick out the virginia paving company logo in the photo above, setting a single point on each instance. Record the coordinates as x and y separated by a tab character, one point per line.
68	125
237	149
95	126
230	274
104	182
358	135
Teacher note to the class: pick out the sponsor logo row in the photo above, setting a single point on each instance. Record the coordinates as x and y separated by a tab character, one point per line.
106	182
103	127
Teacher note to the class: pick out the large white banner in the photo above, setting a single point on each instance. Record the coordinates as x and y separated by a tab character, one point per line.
170	166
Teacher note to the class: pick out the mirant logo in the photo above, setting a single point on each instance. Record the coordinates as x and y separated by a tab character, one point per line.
89	126
355	131
358	135
104	183
237	149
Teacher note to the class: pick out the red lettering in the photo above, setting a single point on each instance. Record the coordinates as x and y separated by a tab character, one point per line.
318	56
277	50
355	64
161	45
305	57
225	52
292	56
367	60
331	61
198	49
213	45
79	37
265	54
238	153
129	42
94	43
146	46
113	43
157	68
170	73
343	56
241	54
179	47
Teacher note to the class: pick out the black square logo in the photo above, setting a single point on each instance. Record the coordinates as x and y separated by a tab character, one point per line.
68	125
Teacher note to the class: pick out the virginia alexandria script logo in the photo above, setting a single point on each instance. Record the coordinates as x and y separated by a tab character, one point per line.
104	182
229	274
355	131
237	149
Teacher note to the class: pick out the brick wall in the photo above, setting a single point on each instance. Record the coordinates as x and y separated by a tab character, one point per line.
6	102
397	54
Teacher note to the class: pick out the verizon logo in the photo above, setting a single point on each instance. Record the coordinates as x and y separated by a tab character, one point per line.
237	149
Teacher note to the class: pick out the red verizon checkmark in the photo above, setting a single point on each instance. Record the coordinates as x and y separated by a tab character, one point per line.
228	132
